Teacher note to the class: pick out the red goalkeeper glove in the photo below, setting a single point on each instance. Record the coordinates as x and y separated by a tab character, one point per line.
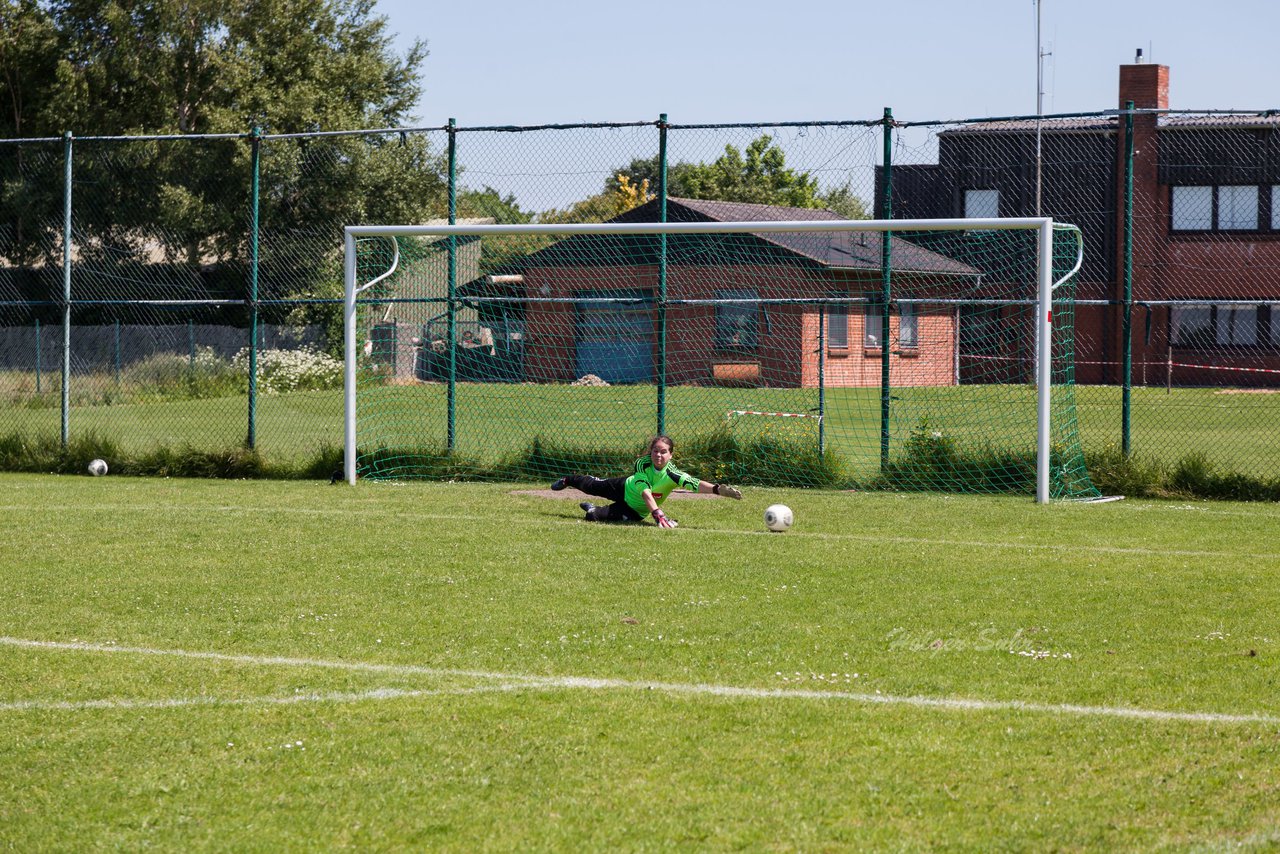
662	520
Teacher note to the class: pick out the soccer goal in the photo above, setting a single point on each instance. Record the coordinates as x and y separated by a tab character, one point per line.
901	354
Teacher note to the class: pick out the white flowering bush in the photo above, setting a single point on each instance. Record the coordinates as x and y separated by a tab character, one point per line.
281	371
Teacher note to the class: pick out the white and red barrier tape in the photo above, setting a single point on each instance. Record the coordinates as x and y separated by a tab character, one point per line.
733	412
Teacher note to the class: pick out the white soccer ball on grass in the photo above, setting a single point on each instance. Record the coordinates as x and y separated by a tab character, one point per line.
98	468
778	517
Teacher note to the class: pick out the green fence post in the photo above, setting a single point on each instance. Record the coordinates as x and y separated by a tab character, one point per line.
1127	319
255	148
662	276
37	355
886	212
452	285
822	381
66	288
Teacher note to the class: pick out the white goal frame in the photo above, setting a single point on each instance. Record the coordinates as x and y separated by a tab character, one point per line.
1043	226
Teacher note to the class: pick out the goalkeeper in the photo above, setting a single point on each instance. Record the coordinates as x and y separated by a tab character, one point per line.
642	493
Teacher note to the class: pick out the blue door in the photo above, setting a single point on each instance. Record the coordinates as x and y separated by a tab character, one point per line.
614	337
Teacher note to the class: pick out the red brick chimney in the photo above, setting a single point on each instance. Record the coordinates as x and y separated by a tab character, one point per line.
1146	85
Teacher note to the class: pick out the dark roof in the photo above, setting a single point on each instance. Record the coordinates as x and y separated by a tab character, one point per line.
842	249
1260	121
1093	124
1084	124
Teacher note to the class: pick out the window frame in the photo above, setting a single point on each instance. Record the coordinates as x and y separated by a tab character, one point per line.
908	315
721	334
1265	332
969	193
1265	218
837	318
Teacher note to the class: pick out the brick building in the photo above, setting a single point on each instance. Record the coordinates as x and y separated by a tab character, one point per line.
587	305
1204	226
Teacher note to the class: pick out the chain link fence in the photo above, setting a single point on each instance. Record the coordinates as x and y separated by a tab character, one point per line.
185	292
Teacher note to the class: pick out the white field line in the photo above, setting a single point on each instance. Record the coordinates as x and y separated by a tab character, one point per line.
282	700
516	681
1075	548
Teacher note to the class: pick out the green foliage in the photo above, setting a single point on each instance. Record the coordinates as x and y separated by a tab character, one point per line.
29	72
176	66
843	201
620	195
760	176
930	459
491	204
45	454
283	371
1192	476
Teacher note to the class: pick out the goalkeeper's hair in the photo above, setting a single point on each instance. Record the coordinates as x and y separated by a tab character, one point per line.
662	438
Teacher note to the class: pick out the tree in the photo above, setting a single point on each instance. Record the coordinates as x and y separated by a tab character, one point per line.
489	203
620	195
760	176
217	66
28	67
114	67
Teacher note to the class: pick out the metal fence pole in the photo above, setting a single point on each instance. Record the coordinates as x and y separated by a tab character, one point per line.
662	276
37	355
1127	319
822	381
886	212
116	349
66	289
255	147
452	285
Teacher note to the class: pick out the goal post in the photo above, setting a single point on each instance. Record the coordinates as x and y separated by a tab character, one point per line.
478	342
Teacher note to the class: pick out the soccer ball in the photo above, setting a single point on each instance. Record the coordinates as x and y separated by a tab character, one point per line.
98	468
777	517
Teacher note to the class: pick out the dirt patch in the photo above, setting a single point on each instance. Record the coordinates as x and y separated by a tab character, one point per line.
578	496
1248	391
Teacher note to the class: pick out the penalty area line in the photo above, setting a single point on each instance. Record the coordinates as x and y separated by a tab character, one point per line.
518	681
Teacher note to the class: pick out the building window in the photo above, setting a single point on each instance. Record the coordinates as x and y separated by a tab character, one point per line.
1237	324
1192	208
1207	326
872	322
981	204
1191	325
1275	207
1229	207
1238	208
837	327
737	322
908	327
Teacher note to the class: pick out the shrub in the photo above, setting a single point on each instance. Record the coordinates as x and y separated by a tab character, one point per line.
304	369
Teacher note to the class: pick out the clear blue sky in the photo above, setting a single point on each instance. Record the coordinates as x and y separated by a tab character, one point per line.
556	61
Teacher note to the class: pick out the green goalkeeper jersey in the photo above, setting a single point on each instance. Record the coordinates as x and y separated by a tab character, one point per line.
660	482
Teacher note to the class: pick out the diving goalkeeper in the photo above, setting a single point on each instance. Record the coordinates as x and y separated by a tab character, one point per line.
641	494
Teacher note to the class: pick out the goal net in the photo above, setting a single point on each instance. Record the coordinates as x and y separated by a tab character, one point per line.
903	354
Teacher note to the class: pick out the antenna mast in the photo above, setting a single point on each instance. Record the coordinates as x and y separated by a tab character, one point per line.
1040	55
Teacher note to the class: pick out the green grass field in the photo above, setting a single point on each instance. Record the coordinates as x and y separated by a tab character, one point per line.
277	665
1234	432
